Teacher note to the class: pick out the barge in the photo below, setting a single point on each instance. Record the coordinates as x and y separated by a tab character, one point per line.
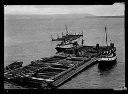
54	71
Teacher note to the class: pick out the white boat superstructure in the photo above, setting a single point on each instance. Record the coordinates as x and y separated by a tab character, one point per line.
66	46
109	58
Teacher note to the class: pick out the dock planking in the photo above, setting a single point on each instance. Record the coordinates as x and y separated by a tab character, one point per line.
71	73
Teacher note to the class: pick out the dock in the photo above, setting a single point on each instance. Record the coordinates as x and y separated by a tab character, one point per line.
73	72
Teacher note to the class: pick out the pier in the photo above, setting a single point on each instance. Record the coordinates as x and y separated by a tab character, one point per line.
72	72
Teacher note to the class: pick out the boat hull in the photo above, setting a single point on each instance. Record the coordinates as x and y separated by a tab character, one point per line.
107	63
107	59
13	66
59	49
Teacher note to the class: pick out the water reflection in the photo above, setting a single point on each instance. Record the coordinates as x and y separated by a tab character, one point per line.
106	67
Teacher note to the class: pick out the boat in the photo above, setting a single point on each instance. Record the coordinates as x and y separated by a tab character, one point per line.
108	56
62	48
109	53
68	36
68	41
68	45
13	66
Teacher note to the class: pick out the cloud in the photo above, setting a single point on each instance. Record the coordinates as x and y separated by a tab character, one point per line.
115	9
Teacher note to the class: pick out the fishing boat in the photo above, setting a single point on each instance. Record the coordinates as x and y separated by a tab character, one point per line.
67	37
62	48
108	56
109	53
68	41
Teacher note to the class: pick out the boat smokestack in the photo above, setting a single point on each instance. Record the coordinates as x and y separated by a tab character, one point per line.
97	46
112	45
106	35
82	33
62	34
82	41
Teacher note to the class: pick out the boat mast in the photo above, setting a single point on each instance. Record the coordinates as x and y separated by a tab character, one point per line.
62	34
106	36
66	28
82	33
51	37
57	35
82	38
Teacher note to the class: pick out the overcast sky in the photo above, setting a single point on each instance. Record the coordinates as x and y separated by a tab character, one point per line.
99	10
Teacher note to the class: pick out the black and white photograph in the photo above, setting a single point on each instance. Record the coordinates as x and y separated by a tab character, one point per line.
64	46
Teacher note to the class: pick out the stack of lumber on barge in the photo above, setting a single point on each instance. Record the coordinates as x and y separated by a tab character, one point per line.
47	70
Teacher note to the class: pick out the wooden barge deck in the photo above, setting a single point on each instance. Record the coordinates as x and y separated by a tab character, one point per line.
53	71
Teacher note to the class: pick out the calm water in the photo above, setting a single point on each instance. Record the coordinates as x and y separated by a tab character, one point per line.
27	38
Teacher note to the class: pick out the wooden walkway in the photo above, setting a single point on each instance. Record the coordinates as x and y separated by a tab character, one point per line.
69	74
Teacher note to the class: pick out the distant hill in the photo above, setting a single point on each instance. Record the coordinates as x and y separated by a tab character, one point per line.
71	15
121	16
51	16
59	16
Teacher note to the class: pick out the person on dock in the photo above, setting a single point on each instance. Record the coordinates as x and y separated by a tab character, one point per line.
75	44
82	42
76	52
62	43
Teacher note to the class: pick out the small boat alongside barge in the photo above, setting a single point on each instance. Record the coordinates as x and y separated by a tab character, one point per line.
13	66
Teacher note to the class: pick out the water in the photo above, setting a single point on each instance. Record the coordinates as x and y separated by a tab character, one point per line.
27	38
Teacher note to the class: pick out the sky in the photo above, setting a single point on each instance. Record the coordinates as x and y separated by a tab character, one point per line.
116	9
